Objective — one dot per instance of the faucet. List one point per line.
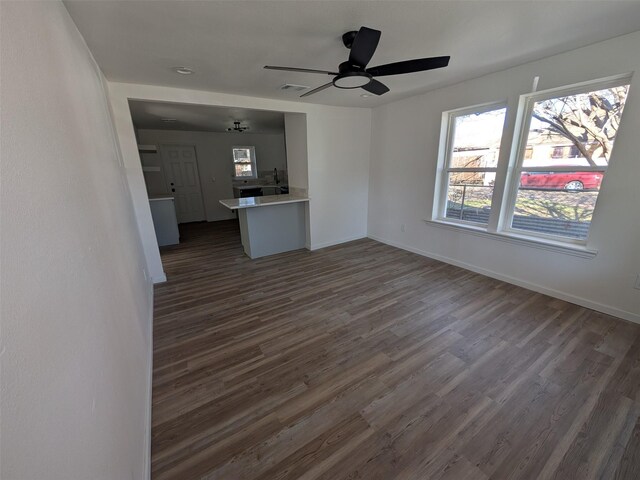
(275, 176)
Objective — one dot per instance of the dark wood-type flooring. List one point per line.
(363, 361)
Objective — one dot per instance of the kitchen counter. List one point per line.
(160, 197)
(271, 224)
(251, 202)
(165, 224)
(250, 189)
(247, 186)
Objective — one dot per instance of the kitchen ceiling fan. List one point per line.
(237, 128)
(354, 72)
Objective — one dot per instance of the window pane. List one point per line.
(570, 131)
(476, 139)
(576, 130)
(469, 196)
(243, 170)
(557, 203)
(241, 155)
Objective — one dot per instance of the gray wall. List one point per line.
(215, 161)
(76, 308)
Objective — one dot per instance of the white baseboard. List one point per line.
(608, 309)
(318, 246)
(147, 434)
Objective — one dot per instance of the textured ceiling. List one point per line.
(149, 115)
(227, 43)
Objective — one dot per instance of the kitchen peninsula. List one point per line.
(270, 224)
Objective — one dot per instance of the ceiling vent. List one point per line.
(293, 88)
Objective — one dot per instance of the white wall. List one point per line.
(403, 165)
(215, 160)
(295, 126)
(338, 141)
(76, 330)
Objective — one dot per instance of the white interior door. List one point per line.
(183, 181)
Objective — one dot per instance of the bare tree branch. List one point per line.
(562, 130)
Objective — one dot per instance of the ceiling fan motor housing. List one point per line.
(348, 38)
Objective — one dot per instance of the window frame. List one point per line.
(445, 155)
(253, 162)
(518, 149)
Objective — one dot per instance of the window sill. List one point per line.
(575, 250)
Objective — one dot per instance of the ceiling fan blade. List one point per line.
(316, 90)
(364, 46)
(376, 87)
(303, 70)
(409, 66)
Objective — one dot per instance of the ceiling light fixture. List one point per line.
(183, 70)
(349, 80)
(237, 128)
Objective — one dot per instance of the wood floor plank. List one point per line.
(366, 361)
(629, 467)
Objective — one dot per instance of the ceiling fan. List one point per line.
(237, 128)
(354, 72)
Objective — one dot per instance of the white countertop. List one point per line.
(267, 200)
(262, 185)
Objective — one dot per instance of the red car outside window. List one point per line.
(570, 181)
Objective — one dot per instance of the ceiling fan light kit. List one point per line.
(349, 80)
(354, 72)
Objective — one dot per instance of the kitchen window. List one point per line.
(562, 146)
(571, 134)
(244, 163)
(473, 137)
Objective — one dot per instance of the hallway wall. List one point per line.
(76, 306)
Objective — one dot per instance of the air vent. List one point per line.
(293, 88)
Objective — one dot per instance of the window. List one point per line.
(571, 136)
(244, 162)
(470, 165)
(562, 146)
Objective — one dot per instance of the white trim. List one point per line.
(318, 246)
(146, 471)
(576, 250)
(608, 309)
(600, 83)
(468, 224)
(159, 278)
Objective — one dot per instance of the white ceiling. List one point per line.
(228, 42)
(149, 115)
